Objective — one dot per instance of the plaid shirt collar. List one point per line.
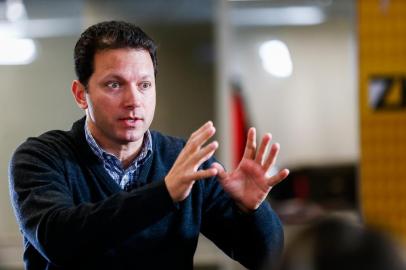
(112, 164)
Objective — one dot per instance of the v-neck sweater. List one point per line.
(72, 215)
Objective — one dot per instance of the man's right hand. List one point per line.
(184, 172)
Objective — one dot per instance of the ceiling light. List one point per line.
(277, 16)
(14, 51)
(15, 10)
(276, 58)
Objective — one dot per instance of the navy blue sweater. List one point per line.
(74, 216)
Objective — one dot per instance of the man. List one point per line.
(111, 194)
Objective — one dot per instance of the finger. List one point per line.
(205, 153)
(250, 145)
(262, 148)
(221, 171)
(204, 174)
(273, 153)
(201, 128)
(281, 175)
(201, 137)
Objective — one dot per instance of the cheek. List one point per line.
(151, 105)
(90, 108)
(99, 109)
(152, 100)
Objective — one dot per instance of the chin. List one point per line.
(134, 137)
(129, 136)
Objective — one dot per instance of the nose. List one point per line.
(132, 97)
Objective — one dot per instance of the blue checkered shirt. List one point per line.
(124, 177)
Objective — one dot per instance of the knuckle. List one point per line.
(251, 146)
(194, 144)
(191, 137)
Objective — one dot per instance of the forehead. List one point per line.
(123, 60)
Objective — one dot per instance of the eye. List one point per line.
(113, 85)
(145, 85)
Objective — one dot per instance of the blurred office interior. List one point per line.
(325, 77)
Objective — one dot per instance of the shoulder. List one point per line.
(53, 138)
(51, 146)
(164, 143)
(39, 156)
(166, 149)
(50, 139)
(55, 141)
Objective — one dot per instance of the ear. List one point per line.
(79, 93)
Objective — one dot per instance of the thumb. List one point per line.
(220, 169)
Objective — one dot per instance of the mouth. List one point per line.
(130, 121)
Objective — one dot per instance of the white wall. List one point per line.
(33, 99)
(312, 114)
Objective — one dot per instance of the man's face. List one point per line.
(121, 97)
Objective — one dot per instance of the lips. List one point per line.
(131, 121)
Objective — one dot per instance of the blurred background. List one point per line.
(325, 77)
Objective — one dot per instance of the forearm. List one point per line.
(92, 228)
(259, 237)
(61, 229)
(249, 238)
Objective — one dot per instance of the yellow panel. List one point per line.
(382, 52)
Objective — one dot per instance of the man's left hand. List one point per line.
(249, 184)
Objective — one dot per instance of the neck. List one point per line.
(125, 152)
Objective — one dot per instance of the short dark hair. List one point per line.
(105, 36)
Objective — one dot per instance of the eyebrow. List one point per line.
(146, 77)
(118, 76)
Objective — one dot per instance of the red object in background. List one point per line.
(239, 126)
(301, 187)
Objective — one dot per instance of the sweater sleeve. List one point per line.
(64, 232)
(251, 239)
